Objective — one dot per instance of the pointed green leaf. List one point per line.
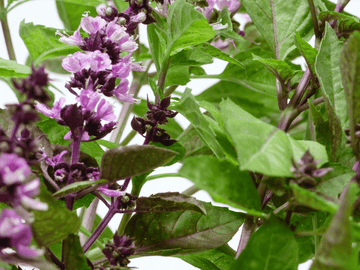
(169, 202)
(47, 223)
(215, 52)
(212, 259)
(228, 32)
(191, 57)
(327, 68)
(188, 27)
(271, 247)
(176, 147)
(73, 256)
(277, 22)
(193, 143)
(11, 69)
(308, 52)
(336, 250)
(56, 52)
(126, 161)
(267, 150)
(183, 232)
(188, 107)
(177, 75)
(350, 73)
(75, 187)
(223, 181)
(157, 41)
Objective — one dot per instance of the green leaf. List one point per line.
(73, 256)
(121, 5)
(267, 150)
(108, 144)
(183, 232)
(336, 249)
(228, 32)
(193, 143)
(223, 181)
(157, 41)
(345, 23)
(312, 200)
(71, 11)
(177, 75)
(126, 161)
(11, 69)
(215, 52)
(327, 68)
(308, 52)
(280, 69)
(350, 73)
(39, 39)
(176, 147)
(188, 27)
(47, 224)
(38, 262)
(212, 259)
(56, 52)
(271, 247)
(277, 22)
(188, 107)
(138, 182)
(191, 57)
(75, 187)
(169, 202)
(54, 131)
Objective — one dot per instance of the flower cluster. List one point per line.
(305, 171)
(156, 115)
(118, 252)
(18, 185)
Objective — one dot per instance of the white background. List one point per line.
(44, 12)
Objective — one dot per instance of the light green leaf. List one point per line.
(267, 150)
(56, 52)
(183, 232)
(75, 187)
(327, 68)
(308, 52)
(277, 22)
(11, 69)
(157, 40)
(223, 181)
(271, 247)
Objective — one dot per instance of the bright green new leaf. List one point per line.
(11, 69)
(183, 232)
(271, 247)
(223, 181)
(46, 226)
(262, 147)
(327, 68)
(277, 22)
(126, 161)
(350, 73)
(308, 52)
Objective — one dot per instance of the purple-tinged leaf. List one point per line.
(75, 187)
(183, 232)
(169, 202)
(126, 161)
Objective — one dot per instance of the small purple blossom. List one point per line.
(99, 61)
(232, 5)
(92, 25)
(55, 159)
(76, 62)
(13, 169)
(74, 39)
(16, 234)
(54, 112)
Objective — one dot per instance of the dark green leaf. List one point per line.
(308, 52)
(176, 147)
(215, 52)
(188, 27)
(336, 250)
(138, 182)
(312, 200)
(11, 69)
(83, 201)
(271, 247)
(188, 107)
(126, 161)
(267, 150)
(183, 232)
(327, 68)
(350, 72)
(47, 224)
(223, 181)
(71, 11)
(277, 22)
(39, 39)
(73, 256)
(75, 187)
(169, 202)
(212, 259)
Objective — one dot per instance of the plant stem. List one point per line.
(191, 190)
(300, 89)
(128, 138)
(170, 90)
(6, 31)
(163, 175)
(314, 20)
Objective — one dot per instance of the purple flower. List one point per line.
(105, 111)
(55, 111)
(92, 25)
(116, 32)
(24, 194)
(209, 9)
(15, 234)
(75, 39)
(55, 159)
(99, 61)
(13, 169)
(76, 62)
(231, 4)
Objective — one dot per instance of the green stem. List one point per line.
(226, 249)
(124, 221)
(6, 31)
(314, 21)
(191, 190)
(128, 138)
(170, 90)
(315, 226)
(156, 176)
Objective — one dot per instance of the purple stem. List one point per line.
(99, 229)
